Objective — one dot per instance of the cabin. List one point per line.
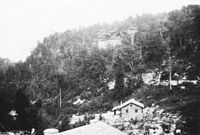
(114, 38)
(130, 109)
(109, 39)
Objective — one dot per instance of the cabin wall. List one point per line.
(131, 111)
(103, 44)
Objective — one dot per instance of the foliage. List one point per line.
(72, 63)
(183, 28)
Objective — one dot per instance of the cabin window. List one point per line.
(136, 110)
(126, 110)
(131, 105)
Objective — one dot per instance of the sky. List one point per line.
(25, 22)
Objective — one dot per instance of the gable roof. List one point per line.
(98, 128)
(133, 101)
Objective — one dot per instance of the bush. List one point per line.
(65, 124)
(133, 121)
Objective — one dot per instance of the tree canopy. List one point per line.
(68, 66)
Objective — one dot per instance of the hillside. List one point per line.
(165, 112)
(71, 72)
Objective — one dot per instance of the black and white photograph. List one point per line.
(99, 67)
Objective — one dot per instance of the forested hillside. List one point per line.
(70, 66)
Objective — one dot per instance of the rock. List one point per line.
(177, 132)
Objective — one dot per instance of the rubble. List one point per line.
(155, 121)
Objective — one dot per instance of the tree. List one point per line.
(150, 40)
(28, 117)
(183, 27)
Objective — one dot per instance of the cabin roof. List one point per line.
(131, 101)
(97, 128)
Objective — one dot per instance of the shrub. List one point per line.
(133, 121)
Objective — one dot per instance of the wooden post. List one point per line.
(170, 74)
(169, 52)
(170, 69)
(60, 97)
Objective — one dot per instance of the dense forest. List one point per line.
(68, 66)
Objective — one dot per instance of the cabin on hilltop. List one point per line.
(114, 38)
(130, 109)
(107, 39)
